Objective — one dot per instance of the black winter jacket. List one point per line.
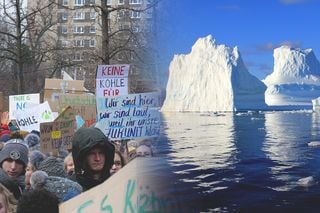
(84, 140)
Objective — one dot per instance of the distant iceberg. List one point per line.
(295, 79)
(212, 78)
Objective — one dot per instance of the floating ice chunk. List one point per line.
(307, 181)
(314, 143)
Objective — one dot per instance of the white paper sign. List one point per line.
(112, 80)
(29, 119)
(21, 102)
(130, 116)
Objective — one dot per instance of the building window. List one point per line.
(135, 14)
(109, 2)
(92, 2)
(78, 57)
(79, 43)
(121, 14)
(92, 15)
(123, 27)
(78, 16)
(135, 29)
(64, 16)
(149, 14)
(120, 2)
(92, 43)
(79, 2)
(64, 29)
(65, 2)
(78, 29)
(135, 2)
(64, 43)
(92, 29)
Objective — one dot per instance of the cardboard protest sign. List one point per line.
(58, 134)
(54, 87)
(83, 105)
(112, 80)
(21, 102)
(131, 116)
(130, 190)
(30, 118)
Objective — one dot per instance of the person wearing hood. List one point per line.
(93, 156)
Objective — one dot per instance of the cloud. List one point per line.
(293, 44)
(265, 47)
(287, 2)
(269, 47)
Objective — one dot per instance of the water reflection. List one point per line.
(203, 141)
(315, 131)
(240, 162)
(287, 135)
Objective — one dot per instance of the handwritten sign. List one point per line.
(112, 80)
(30, 118)
(21, 102)
(83, 106)
(131, 116)
(126, 191)
(58, 134)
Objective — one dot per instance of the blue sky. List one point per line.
(255, 26)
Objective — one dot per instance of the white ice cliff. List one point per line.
(295, 79)
(212, 78)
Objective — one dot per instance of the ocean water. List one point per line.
(240, 162)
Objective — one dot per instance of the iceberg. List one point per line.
(212, 77)
(295, 80)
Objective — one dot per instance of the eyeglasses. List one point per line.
(117, 163)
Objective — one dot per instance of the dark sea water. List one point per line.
(240, 162)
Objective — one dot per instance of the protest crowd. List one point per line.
(43, 167)
(31, 180)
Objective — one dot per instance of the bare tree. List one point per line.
(131, 41)
(34, 47)
(25, 53)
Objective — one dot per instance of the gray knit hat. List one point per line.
(52, 166)
(32, 139)
(61, 187)
(15, 149)
(35, 158)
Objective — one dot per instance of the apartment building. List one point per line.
(77, 34)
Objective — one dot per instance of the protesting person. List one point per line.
(118, 162)
(38, 201)
(93, 157)
(13, 160)
(4, 124)
(144, 151)
(8, 202)
(69, 165)
(63, 188)
(35, 158)
(33, 141)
